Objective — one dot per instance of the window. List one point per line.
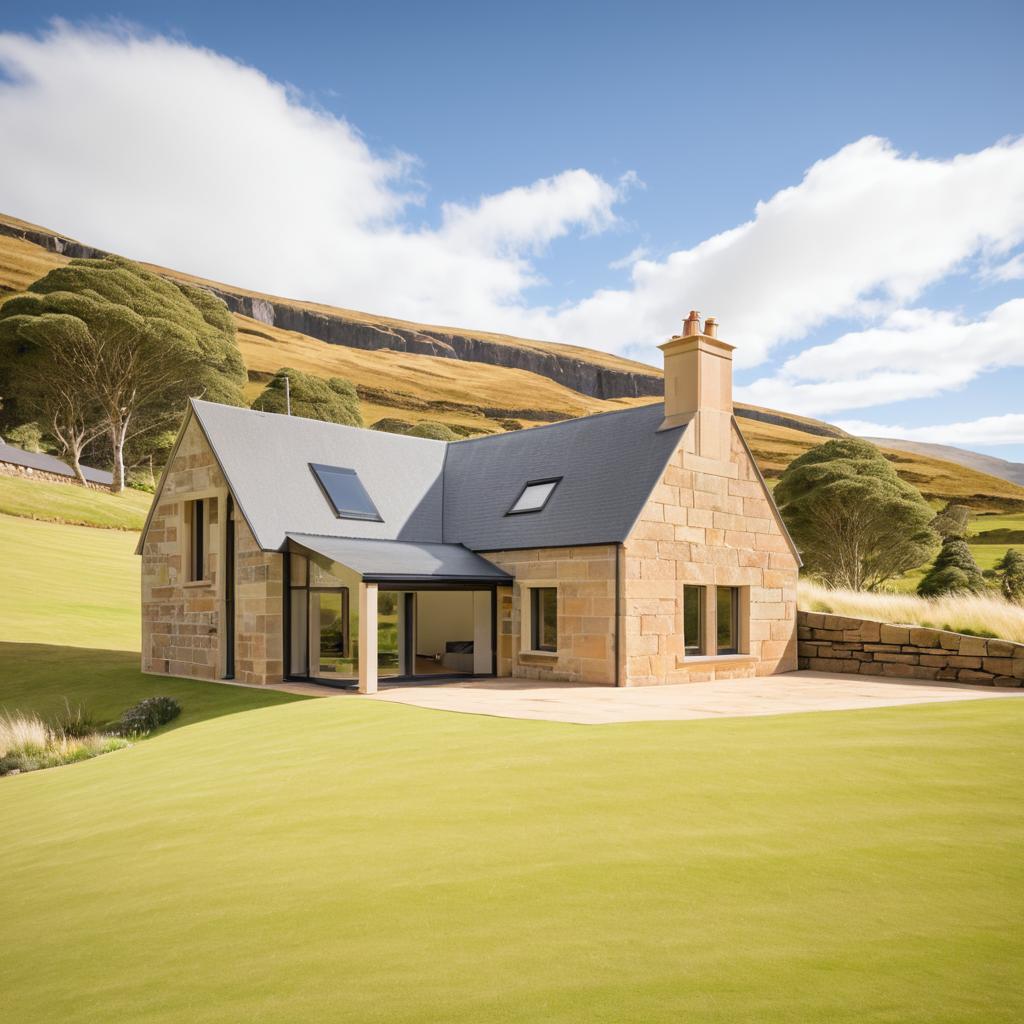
(727, 601)
(693, 621)
(544, 619)
(534, 496)
(197, 516)
(346, 493)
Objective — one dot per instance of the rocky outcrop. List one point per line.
(580, 375)
(780, 420)
(838, 643)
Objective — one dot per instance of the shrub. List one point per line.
(27, 436)
(955, 571)
(147, 715)
(389, 425)
(434, 431)
(1010, 572)
(506, 423)
(332, 399)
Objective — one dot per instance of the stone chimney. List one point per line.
(698, 387)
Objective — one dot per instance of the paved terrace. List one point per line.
(727, 698)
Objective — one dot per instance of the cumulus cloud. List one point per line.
(914, 353)
(172, 153)
(175, 154)
(989, 430)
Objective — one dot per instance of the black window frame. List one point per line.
(316, 468)
(699, 649)
(734, 616)
(513, 511)
(536, 619)
(197, 541)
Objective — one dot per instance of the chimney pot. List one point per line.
(711, 327)
(691, 325)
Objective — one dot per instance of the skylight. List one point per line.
(346, 493)
(534, 496)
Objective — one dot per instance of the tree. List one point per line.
(105, 346)
(332, 399)
(954, 572)
(28, 437)
(435, 431)
(1010, 572)
(952, 521)
(857, 525)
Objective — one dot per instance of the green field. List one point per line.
(67, 503)
(271, 859)
(71, 586)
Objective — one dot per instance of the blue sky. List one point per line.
(678, 119)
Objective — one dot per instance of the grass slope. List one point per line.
(68, 585)
(349, 861)
(40, 677)
(69, 503)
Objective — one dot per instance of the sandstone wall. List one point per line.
(181, 619)
(707, 523)
(838, 643)
(585, 579)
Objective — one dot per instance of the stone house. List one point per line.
(628, 548)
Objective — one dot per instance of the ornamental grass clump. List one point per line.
(987, 614)
(28, 743)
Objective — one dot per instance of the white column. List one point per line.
(367, 637)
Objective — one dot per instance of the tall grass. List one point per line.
(28, 743)
(963, 613)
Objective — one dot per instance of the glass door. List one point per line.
(330, 654)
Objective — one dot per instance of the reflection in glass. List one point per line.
(693, 620)
(727, 600)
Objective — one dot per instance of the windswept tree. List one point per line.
(952, 521)
(856, 523)
(332, 399)
(107, 343)
(1010, 573)
(954, 572)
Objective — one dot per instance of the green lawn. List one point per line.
(339, 860)
(39, 678)
(71, 586)
(66, 503)
(276, 860)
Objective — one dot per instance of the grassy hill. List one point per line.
(538, 382)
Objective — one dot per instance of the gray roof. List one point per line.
(609, 464)
(429, 492)
(394, 559)
(266, 459)
(49, 464)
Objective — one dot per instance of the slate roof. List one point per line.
(430, 492)
(49, 464)
(377, 560)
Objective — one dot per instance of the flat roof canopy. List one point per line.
(397, 560)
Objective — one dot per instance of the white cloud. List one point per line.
(915, 353)
(631, 257)
(174, 154)
(989, 430)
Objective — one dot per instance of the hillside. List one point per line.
(478, 381)
(1011, 471)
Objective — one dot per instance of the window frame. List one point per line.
(536, 619)
(198, 527)
(513, 511)
(699, 649)
(316, 468)
(734, 617)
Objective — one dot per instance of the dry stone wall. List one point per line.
(838, 643)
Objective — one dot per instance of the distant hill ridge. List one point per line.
(482, 382)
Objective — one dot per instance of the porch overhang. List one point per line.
(403, 562)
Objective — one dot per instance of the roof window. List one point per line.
(534, 496)
(346, 493)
